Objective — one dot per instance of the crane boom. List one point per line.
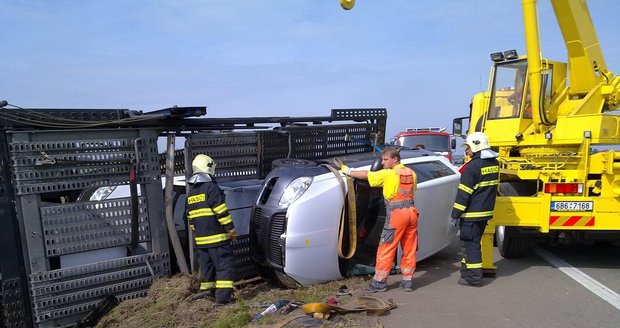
(585, 56)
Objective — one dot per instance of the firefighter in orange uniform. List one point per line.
(401, 222)
(213, 230)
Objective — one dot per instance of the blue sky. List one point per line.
(422, 60)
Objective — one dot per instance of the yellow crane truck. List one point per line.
(557, 132)
(555, 126)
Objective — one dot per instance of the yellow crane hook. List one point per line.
(347, 4)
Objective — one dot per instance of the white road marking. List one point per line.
(579, 276)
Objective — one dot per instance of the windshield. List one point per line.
(508, 96)
(431, 142)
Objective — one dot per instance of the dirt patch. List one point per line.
(170, 303)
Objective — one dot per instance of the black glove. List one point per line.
(455, 224)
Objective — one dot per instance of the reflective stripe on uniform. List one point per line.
(225, 283)
(395, 203)
(474, 265)
(200, 212)
(221, 208)
(225, 220)
(476, 214)
(459, 206)
(404, 191)
(487, 184)
(207, 285)
(211, 239)
(407, 274)
(466, 189)
(392, 204)
(381, 275)
(471, 265)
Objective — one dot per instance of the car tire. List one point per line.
(292, 162)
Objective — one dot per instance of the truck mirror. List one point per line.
(457, 126)
(453, 143)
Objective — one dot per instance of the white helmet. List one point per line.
(203, 164)
(477, 141)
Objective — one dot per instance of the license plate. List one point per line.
(572, 206)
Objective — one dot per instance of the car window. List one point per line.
(179, 200)
(426, 171)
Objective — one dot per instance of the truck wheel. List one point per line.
(509, 243)
(292, 162)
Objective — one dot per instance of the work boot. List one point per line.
(465, 282)
(377, 286)
(406, 285)
(207, 294)
(220, 303)
(373, 289)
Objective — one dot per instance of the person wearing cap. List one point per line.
(474, 204)
(213, 230)
(401, 222)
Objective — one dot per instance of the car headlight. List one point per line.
(102, 193)
(294, 190)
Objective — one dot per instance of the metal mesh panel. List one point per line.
(235, 153)
(62, 165)
(26, 116)
(244, 265)
(66, 292)
(74, 303)
(80, 227)
(360, 113)
(12, 304)
(313, 142)
(14, 297)
(179, 162)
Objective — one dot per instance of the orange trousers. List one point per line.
(403, 229)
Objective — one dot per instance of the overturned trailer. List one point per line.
(63, 258)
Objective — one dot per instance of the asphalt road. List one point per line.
(527, 292)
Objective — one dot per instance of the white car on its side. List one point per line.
(296, 221)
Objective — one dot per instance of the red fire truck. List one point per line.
(434, 139)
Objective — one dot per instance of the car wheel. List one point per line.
(292, 162)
